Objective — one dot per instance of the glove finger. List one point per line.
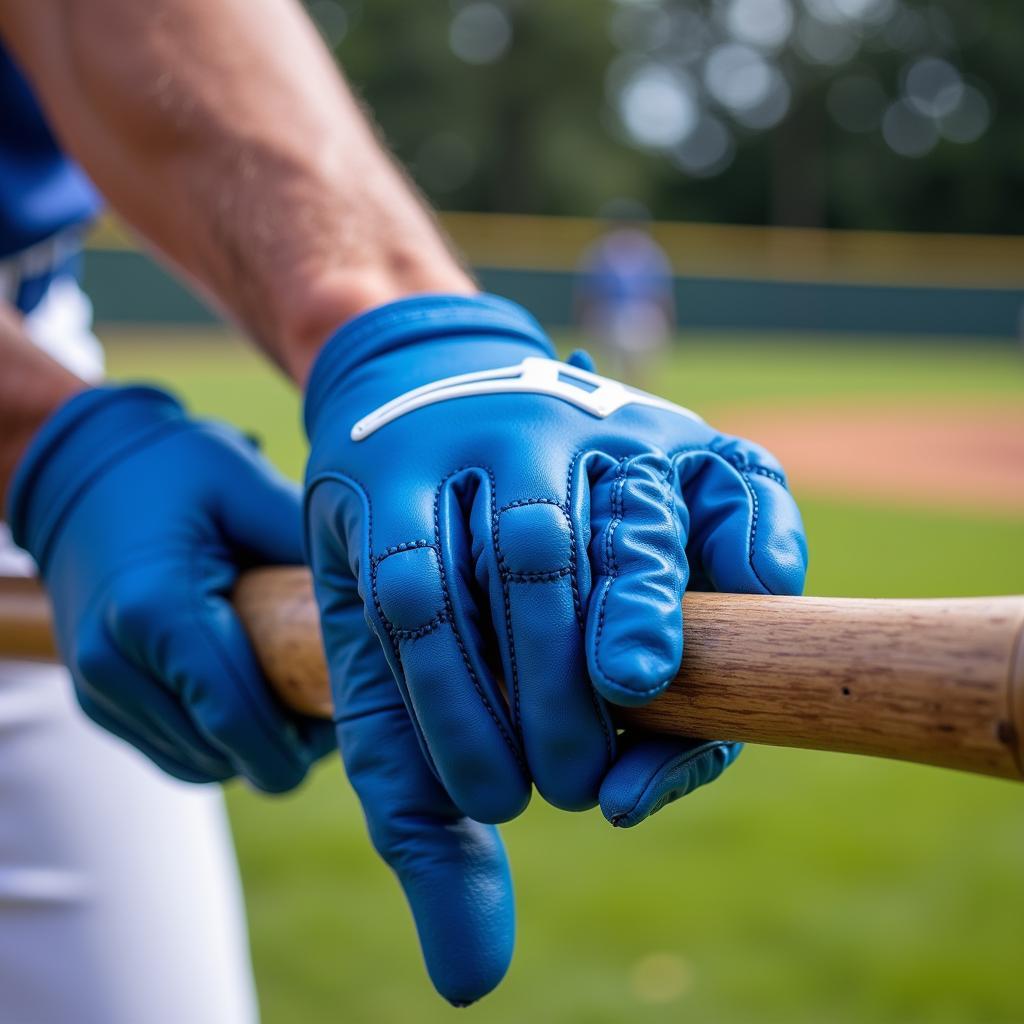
(107, 717)
(453, 870)
(637, 553)
(260, 514)
(532, 555)
(261, 517)
(653, 772)
(145, 713)
(746, 535)
(192, 640)
(431, 622)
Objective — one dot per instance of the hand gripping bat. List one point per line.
(938, 682)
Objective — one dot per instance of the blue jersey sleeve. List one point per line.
(42, 191)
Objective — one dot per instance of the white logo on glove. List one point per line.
(590, 392)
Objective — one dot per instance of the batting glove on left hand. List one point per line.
(140, 520)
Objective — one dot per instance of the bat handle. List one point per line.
(938, 682)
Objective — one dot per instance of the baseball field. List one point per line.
(803, 887)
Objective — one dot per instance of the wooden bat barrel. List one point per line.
(938, 682)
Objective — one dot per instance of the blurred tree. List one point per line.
(889, 114)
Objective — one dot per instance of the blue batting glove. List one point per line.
(140, 520)
(506, 517)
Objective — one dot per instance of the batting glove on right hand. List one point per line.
(504, 516)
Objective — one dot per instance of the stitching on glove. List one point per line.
(618, 487)
(618, 511)
(420, 631)
(358, 488)
(413, 632)
(576, 599)
(372, 573)
(477, 685)
(669, 498)
(595, 697)
(411, 545)
(507, 576)
(688, 449)
(742, 471)
(686, 759)
(537, 577)
(519, 503)
(507, 602)
(755, 512)
(734, 460)
(610, 571)
(770, 473)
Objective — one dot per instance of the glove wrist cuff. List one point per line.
(409, 322)
(73, 448)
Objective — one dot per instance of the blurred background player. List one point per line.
(625, 300)
(119, 894)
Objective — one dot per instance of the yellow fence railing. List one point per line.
(731, 251)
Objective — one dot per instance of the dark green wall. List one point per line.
(127, 286)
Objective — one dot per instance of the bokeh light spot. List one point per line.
(658, 106)
(825, 42)
(907, 131)
(763, 23)
(737, 76)
(480, 33)
(661, 978)
(331, 19)
(969, 120)
(933, 87)
(707, 151)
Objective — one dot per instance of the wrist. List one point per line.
(73, 449)
(29, 412)
(321, 302)
(414, 341)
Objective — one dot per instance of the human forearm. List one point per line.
(32, 387)
(232, 144)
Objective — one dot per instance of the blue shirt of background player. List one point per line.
(42, 191)
(624, 267)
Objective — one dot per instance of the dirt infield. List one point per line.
(949, 456)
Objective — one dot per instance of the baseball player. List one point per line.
(624, 293)
(499, 540)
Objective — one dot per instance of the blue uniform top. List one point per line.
(42, 191)
(625, 267)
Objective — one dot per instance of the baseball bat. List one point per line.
(938, 682)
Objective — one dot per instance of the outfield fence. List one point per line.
(727, 277)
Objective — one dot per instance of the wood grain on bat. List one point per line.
(918, 680)
(934, 681)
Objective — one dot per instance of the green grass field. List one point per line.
(801, 888)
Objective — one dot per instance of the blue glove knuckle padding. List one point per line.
(140, 520)
(521, 560)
